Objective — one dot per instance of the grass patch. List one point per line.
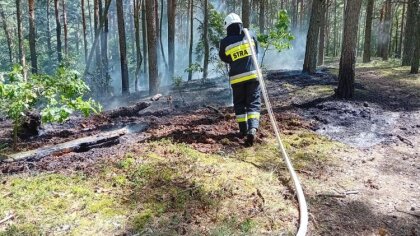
(161, 189)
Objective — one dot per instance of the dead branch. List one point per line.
(220, 113)
(78, 145)
(339, 194)
(415, 214)
(9, 217)
(128, 111)
(405, 140)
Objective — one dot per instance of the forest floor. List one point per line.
(183, 171)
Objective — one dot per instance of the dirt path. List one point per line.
(377, 162)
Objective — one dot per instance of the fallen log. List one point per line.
(128, 111)
(78, 145)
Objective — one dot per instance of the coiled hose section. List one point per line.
(303, 208)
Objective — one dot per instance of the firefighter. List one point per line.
(236, 51)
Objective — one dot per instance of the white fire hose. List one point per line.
(303, 208)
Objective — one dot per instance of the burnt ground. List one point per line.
(380, 129)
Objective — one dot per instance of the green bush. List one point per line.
(279, 37)
(55, 97)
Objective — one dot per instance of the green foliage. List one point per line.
(194, 68)
(279, 37)
(177, 81)
(56, 96)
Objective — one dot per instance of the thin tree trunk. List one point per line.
(246, 13)
(139, 57)
(387, 30)
(327, 29)
(206, 40)
(66, 36)
(311, 53)
(335, 29)
(82, 5)
(171, 36)
(58, 31)
(396, 37)
(322, 29)
(368, 31)
(152, 47)
(95, 44)
(348, 52)
(123, 48)
(144, 29)
(402, 31)
(49, 44)
(32, 36)
(90, 20)
(160, 36)
(416, 57)
(410, 32)
(104, 48)
(262, 16)
(7, 34)
(22, 57)
(379, 38)
(96, 6)
(191, 39)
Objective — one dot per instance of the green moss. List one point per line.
(23, 229)
(142, 219)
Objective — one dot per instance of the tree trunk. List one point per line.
(152, 47)
(123, 48)
(32, 36)
(396, 37)
(162, 50)
(327, 29)
(246, 13)
(90, 20)
(410, 32)
(7, 33)
(22, 57)
(368, 31)
(190, 53)
(335, 29)
(348, 52)
(139, 57)
(49, 44)
(66, 36)
(82, 5)
(58, 31)
(387, 30)
(262, 16)
(379, 38)
(97, 15)
(144, 29)
(402, 31)
(206, 39)
(171, 36)
(311, 53)
(321, 46)
(416, 57)
(104, 47)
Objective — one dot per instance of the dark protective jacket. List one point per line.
(235, 50)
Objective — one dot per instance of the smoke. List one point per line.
(289, 59)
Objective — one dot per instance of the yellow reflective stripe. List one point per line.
(241, 118)
(242, 79)
(241, 47)
(254, 115)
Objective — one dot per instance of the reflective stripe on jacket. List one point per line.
(236, 51)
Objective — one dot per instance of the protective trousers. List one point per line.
(247, 104)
